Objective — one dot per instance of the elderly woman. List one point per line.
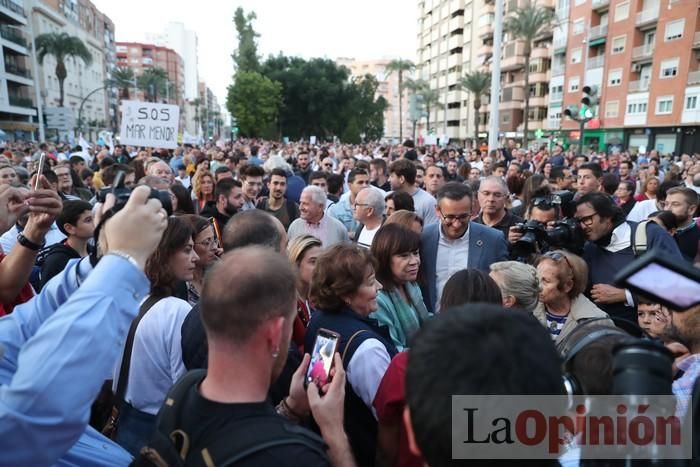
(401, 307)
(519, 284)
(207, 247)
(563, 306)
(408, 219)
(303, 252)
(344, 291)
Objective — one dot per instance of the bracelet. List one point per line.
(127, 257)
(286, 411)
(28, 244)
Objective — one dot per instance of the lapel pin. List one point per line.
(479, 243)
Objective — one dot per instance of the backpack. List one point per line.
(171, 444)
(639, 239)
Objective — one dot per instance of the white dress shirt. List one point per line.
(452, 256)
(621, 239)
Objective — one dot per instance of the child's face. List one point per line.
(652, 319)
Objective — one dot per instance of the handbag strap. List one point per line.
(347, 346)
(128, 348)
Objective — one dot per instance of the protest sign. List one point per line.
(149, 124)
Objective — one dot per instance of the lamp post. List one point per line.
(82, 103)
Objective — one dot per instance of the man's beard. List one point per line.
(230, 209)
(672, 332)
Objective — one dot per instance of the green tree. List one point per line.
(400, 66)
(196, 103)
(122, 79)
(153, 82)
(255, 100)
(364, 113)
(430, 98)
(477, 83)
(61, 46)
(246, 55)
(529, 23)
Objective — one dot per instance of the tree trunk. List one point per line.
(477, 105)
(527, 94)
(61, 74)
(400, 106)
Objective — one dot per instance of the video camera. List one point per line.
(122, 193)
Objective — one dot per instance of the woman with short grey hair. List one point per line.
(518, 282)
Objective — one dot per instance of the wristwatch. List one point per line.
(26, 243)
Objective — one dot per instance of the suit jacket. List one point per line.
(486, 246)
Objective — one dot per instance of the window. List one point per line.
(576, 55)
(669, 68)
(611, 109)
(691, 103)
(573, 84)
(637, 108)
(578, 26)
(618, 45)
(622, 11)
(674, 30)
(664, 105)
(615, 77)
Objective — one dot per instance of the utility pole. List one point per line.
(494, 117)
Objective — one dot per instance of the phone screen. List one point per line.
(40, 170)
(322, 357)
(674, 287)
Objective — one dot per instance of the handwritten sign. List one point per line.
(149, 124)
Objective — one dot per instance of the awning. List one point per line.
(594, 42)
(22, 126)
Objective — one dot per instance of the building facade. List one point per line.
(184, 42)
(643, 57)
(17, 92)
(389, 90)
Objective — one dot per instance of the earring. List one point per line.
(276, 353)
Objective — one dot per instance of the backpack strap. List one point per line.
(639, 238)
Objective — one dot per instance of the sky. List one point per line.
(363, 29)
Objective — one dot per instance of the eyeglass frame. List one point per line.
(586, 220)
(451, 218)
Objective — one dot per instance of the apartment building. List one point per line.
(85, 84)
(512, 86)
(389, 90)
(450, 43)
(644, 58)
(140, 57)
(183, 41)
(17, 107)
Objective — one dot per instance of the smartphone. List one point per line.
(40, 170)
(217, 230)
(675, 285)
(325, 346)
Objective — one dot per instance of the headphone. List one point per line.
(578, 340)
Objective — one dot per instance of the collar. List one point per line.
(316, 224)
(620, 238)
(505, 220)
(464, 237)
(688, 227)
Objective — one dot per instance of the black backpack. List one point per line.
(171, 445)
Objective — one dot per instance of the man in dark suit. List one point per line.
(455, 243)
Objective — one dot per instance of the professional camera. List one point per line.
(122, 194)
(534, 234)
(566, 234)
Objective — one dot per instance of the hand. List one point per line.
(137, 228)
(604, 294)
(297, 400)
(328, 410)
(12, 205)
(514, 234)
(44, 206)
(680, 352)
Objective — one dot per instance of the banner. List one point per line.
(148, 124)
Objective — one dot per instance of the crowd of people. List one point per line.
(162, 307)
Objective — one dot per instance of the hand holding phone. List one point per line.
(325, 346)
(40, 170)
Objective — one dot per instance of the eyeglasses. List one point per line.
(328, 165)
(209, 243)
(356, 205)
(450, 218)
(556, 256)
(586, 220)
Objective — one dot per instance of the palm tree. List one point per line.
(122, 79)
(61, 46)
(528, 23)
(477, 83)
(153, 81)
(400, 66)
(431, 100)
(196, 103)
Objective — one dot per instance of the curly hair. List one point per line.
(197, 185)
(176, 235)
(339, 272)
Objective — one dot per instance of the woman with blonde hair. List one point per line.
(203, 190)
(407, 219)
(303, 252)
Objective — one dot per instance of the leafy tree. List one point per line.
(254, 99)
(153, 81)
(365, 114)
(528, 23)
(122, 79)
(246, 55)
(61, 46)
(478, 84)
(400, 66)
(196, 103)
(430, 98)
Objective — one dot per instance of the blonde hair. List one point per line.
(197, 185)
(300, 245)
(404, 218)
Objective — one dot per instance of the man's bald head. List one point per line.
(237, 300)
(254, 227)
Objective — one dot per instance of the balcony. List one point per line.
(539, 77)
(638, 86)
(559, 43)
(455, 41)
(453, 114)
(456, 23)
(514, 62)
(486, 31)
(484, 50)
(541, 52)
(510, 105)
(556, 97)
(13, 35)
(600, 5)
(537, 101)
(558, 69)
(456, 5)
(147, 61)
(19, 101)
(694, 77)
(597, 32)
(696, 40)
(17, 70)
(595, 62)
(647, 18)
(16, 11)
(643, 53)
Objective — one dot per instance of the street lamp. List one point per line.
(82, 103)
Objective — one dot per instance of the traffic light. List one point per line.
(571, 111)
(589, 101)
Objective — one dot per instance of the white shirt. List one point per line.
(366, 370)
(621, 239)
(452, 256)
(185, 181)
(367, 236)
(642, 209)
(156, 359)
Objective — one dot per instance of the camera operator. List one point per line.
(609, 248)
(684, 327)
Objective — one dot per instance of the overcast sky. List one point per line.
(310, 28)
